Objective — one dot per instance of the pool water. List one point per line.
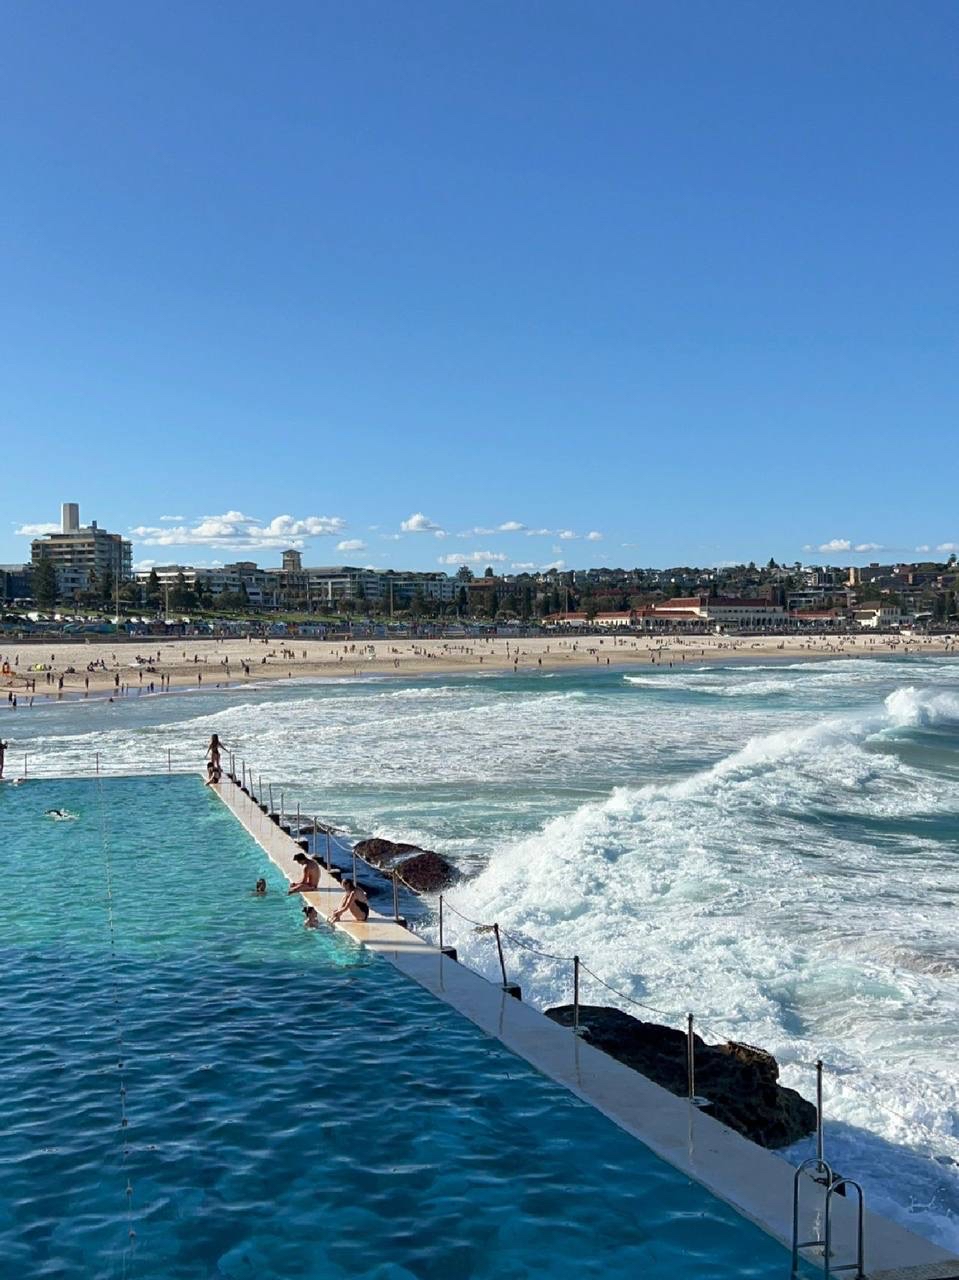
(194, 1086)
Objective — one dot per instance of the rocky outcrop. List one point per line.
(741, 1082)
(427, 872)
(382, 853)
(424, 871)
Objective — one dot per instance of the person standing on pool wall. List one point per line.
(213, 751)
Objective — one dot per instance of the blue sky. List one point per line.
(383, 278)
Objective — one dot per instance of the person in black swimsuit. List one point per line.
(354, 902)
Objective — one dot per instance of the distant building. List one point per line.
(877, 614)
(292, 561)
(729, 611)
(16, 582)
(79, 552)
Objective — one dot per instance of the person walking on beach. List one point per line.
(354, 901)
(311, 873)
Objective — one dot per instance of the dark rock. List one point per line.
(382, 852)
(427, 872)
(741, 1082)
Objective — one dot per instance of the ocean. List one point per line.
(772, 846)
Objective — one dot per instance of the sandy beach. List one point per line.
(102, 668)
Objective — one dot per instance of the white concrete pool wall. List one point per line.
(757, 1183)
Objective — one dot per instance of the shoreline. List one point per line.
(62, 674)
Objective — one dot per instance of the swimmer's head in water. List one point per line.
(261, 886)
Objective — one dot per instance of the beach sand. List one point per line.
(229, 663)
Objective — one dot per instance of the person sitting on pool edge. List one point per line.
(311, 873)
(354, 901)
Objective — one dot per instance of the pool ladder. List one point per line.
(832, 1184)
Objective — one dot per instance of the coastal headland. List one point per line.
(104, 667)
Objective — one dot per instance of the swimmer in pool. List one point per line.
(354, 901)
(61, 815)
(310, 918)
(260, 890)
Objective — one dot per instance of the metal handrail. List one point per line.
(819, 1242)
(859, 1265)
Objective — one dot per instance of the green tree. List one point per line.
(45, 589)
(464, 573)
(463, 600)
(154, 593)
(182, 597)
(488, 573)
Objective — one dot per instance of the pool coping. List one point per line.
(756, 1182)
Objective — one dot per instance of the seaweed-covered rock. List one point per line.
(741, 1082)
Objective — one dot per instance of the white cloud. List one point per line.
(510, 526)
(868, 546)
(235, 530)
(557, 564)
(419, 523)
(539, 533)
(925, 547)
(392, 537)
(594, 536)
(172, 520)
(567, 535)
(351, 544)
(523, 566)
(835, 544)
(36, 530)
(948, 547)
(474, 557)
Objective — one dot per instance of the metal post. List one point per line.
(259, 787)
(242, 773)
(297, 819)
(98, 761)
(499, 948)
(328, 855)
(819, 1143)
(270, 786)
(441, 922)
(690, 1058)
(169, 760)
(315, 838)
(575, 995)
(396, 898)
(354, 866)
(24, 766)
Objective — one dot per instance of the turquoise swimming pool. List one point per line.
(194, 1086)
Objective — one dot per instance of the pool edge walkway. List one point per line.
(755, 1182)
